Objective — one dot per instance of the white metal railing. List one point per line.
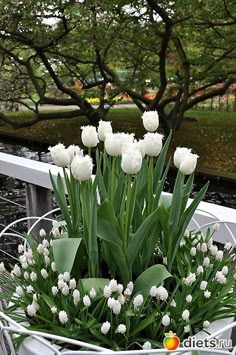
(36, 174)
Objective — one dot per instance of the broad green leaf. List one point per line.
(64, 252)
(153, 276)
(176, 202)
(108, 227)
(140, 236)
(98, 284)
(92, 240)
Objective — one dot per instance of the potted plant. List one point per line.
(119, 268)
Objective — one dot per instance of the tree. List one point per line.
(188, 57)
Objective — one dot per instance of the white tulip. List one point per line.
(142, 147)
(60, 155)
(113, 144)
(131, 161)
(89, 136)
(73, 150)
(188, 164)
(150, 120)
(153, 144)
(82, 167)
(127, 138)
(179, 155)
(104, 128)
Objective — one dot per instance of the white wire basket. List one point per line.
(39, 343)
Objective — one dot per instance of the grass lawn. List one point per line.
(212, 135)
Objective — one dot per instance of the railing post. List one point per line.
(38, 202)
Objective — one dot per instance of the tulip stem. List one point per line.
(89, 152)
(113, 172)
(127, 210)
(150, 187)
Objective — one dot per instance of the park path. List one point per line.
(59, 108)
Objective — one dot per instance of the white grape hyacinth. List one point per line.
(63, 317)
(185, 315)
(138, 301)
(105, 327)
(121, 329)
(86, 301)
(165, 320)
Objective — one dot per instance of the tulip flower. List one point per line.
(188, 164)
(89, 136)
(150, 120)
(73, 150)
(113, 144)
(131, 161)
(153, 144)
(179, 155)
(104, 128)
(60, 155)
(82, 167)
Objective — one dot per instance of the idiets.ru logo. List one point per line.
(171, 341)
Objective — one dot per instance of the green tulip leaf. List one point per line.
(64, 253)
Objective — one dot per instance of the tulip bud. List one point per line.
(113, 144)
(150, 120)
(153, 144)
(82, 167)
(131, 161)
(89, 136)
(60, 155)
(188, 164)
(179, 155)
(73, 150)
(104, 128)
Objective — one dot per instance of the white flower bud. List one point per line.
(42, 233)
(54, 290)
(53, 310)
(153, 291)
(121, 299)
(60, 155)
(105, 328)
(179, 155)
(19, 291)
(220, 278)
(31, 310)
(153, 144)
(213, 250)
(92, 293)
(189, 298)
(147, 345)
(76, 296)
(204, 247)
(113, 285)
(26, 275)
(29, 289)
(216, 227)
(89, 136)
(63, 317)
(225, 270)
(17, 271)
(82, 167)
(45, 243)
(150, 120)
(2, 267)
(165, 320)
(138, 301)
(72, 284)
(120, 288)
(86, 301)
(206, 261)
(200, 270)
(187, 328)
(44, 273)
(173, 303)
(193, 251)
(21, 248)
(206, 324)
(40, 248)
(131, 161)
(162, 293)
(219, 255)
(207, 294)
(65, 290)
(228, 246)
(203, 285)
(185, 315)
(188, 164)
(104, 128)
(53, 266)
(33, 276)
(121, 329)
